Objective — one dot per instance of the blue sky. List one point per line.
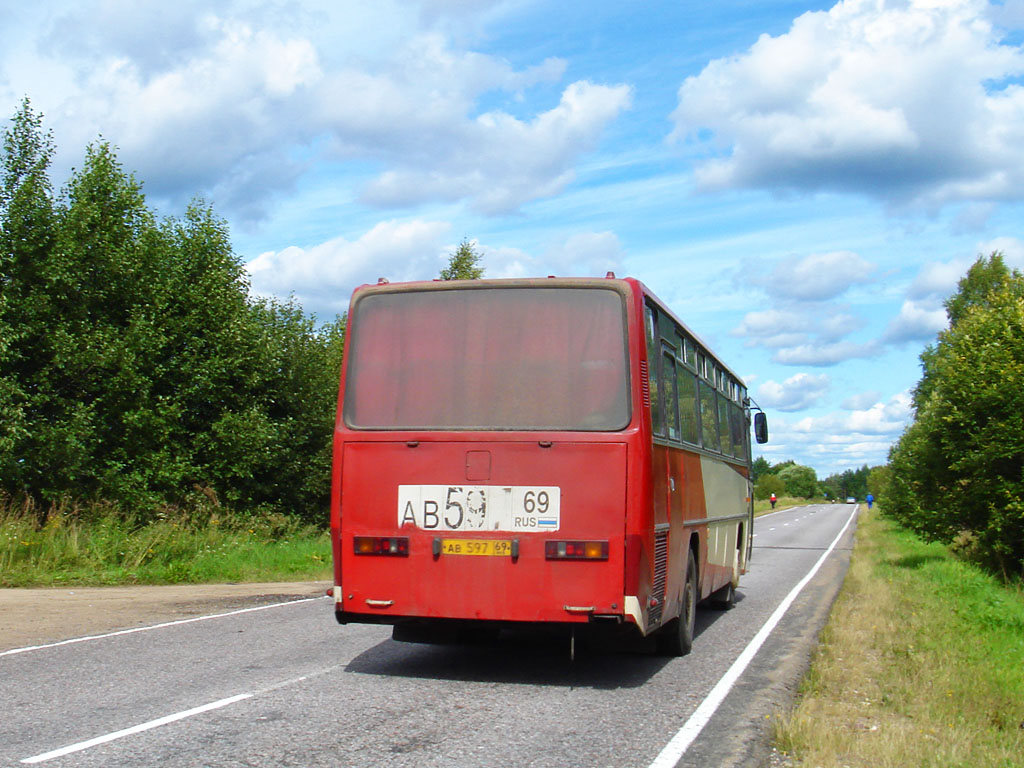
(803, 183)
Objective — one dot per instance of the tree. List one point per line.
(766, 485)
(799, 480)
(140, 372)
(850, 482)
(878, 481)
(958, 470)
(986, 278)
(464, 263)
(986, 275)
(758, 468)
(26, 241)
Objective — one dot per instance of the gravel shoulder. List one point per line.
(37, 616)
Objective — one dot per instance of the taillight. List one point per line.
(381, 545)
(576, 550)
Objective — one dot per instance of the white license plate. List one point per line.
(480, 507)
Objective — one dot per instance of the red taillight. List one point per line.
(381, 545)
(576, 550)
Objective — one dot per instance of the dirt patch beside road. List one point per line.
(36, 616)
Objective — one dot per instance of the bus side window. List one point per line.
(723, 423)
(740, 431)
(654, 375)
(687, 392)
(708, 405)
(668, 367)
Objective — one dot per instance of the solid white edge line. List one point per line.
(686, 735)
(134, 729)
(155, 626)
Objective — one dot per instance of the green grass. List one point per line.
(921, 663)
(100, 546)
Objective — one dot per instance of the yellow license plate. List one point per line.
(494, 547)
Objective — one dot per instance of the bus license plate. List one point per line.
(458, 508)
(498, 548)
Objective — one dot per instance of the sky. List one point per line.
(802, 183)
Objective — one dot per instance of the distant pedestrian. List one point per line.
(870, 500)
(772, 499)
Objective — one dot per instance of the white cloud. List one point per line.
(916, 321)
(237, 101)
(582, 254)
(506, 262)
(769, 325)
(861, 401)
(587, 254)
(497, 161)
(826, 354)
(324, 276)
(229, 138)
(922, 314)
(152, 36)
(938, 279)
(846, 100)
(840, 440)
(818, 276)
(806, 335)
(882, 418)
(796, 393)
(1009, 14)
(1011, 247)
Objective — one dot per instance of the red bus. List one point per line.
(555, 451)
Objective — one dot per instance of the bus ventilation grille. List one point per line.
(660, 570)
(645, 384)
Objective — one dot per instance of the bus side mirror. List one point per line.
(760, 427)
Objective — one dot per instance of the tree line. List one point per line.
(135, 368)
(957, 473)
(787, 478)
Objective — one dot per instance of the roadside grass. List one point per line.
(921, 663)
(100, 546)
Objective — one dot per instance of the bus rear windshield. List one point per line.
(510, 358)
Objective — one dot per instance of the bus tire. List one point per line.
(676, 638)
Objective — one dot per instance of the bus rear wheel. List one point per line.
(676, 638)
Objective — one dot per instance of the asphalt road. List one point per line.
(286, 686)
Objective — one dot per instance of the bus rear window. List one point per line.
(504, 358)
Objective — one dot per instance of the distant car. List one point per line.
(851, 500)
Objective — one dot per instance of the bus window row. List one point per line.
(693, 400)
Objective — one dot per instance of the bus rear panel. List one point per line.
(480, 462)
(496, 462)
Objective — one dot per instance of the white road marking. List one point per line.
(134, 729)
(691, 729)
(170, 718)
(776, 512)
(156, 626)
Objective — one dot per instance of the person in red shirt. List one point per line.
(772, 499)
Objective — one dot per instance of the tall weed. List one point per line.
(101, 544)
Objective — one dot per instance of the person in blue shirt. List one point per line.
(870, 500)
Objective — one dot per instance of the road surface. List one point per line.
(284, 685)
